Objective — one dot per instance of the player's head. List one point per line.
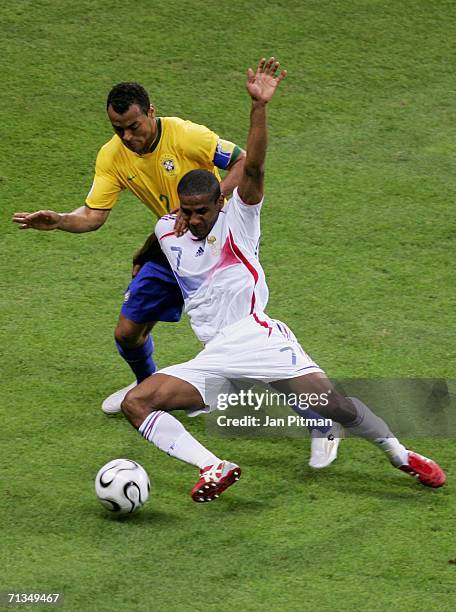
(132, 116)
(200, 201)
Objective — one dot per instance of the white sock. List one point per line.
(397, 453)
(169, 435)
(371, 427)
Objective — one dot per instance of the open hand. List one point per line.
(39, 220)
(262, 84)
(181, 226)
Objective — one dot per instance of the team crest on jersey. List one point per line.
(169, 164)
(213, 246)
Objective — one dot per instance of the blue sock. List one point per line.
(139, 359)
(308, 413)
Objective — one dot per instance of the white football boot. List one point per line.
(112, 404)
(323, 448)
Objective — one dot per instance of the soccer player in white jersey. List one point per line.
(225, 294)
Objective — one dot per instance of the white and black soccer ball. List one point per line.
(122, 486)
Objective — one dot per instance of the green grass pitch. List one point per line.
(358, 246)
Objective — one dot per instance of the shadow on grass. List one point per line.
(390, 485)
(241, 504)
(144, 516)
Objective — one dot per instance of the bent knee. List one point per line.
(340, 408)
(129, 334)
(136, 405)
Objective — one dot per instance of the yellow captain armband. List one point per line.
(226, 153)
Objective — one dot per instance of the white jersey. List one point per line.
(220, 277)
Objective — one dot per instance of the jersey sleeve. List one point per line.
(105, 187)
(244, 219)
(200, 144)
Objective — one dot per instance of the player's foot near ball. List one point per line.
(112, 404)
(427, 471)
(214, 479)
(323, 447)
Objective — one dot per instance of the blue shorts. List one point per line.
(153, 295)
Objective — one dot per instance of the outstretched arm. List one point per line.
(261, 86)
(83, 219)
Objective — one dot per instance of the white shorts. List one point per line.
(256, 349)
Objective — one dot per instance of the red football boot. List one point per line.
(214, 479)
(427, 471)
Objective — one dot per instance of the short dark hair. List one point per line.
(123, 95)
(198, 182)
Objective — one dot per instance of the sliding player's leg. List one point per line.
(358, 419)
(148, 405)
(153, 295)
(325, 439)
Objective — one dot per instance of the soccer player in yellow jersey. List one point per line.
(148, 155)
(149, 158)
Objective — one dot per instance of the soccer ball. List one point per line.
(122, 486)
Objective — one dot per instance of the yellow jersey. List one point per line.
(180, 146)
